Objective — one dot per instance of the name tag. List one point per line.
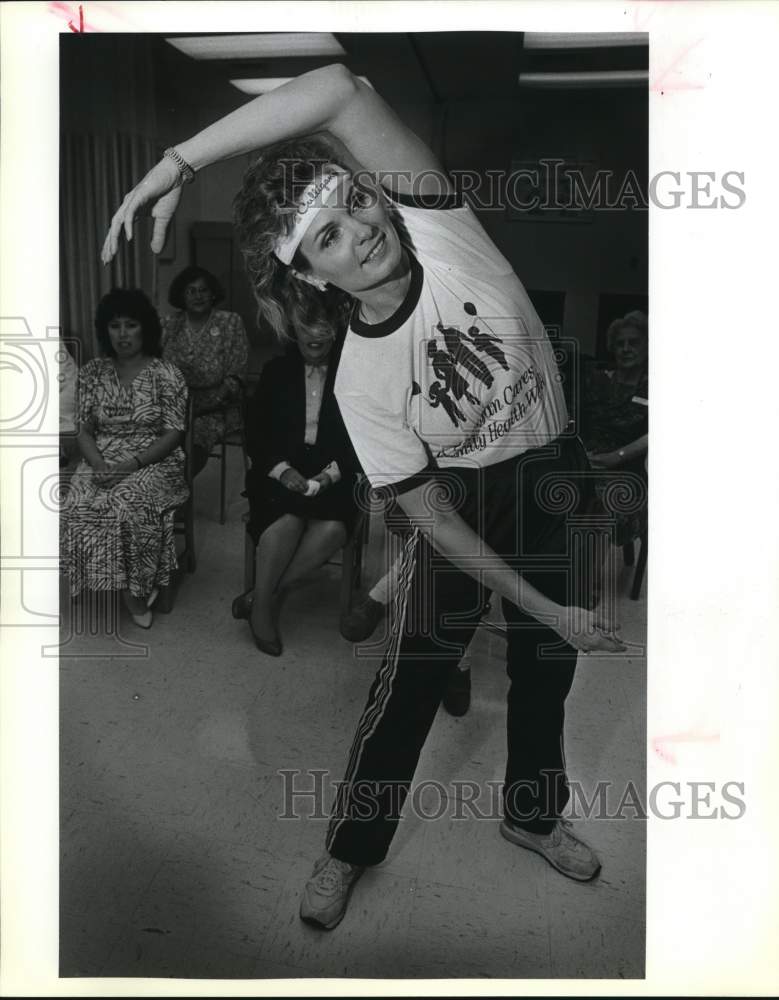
(639, 399)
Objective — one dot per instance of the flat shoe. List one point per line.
(271, 647)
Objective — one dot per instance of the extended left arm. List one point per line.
(456, 541)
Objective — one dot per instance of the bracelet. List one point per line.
(621, 453)
(186, 172)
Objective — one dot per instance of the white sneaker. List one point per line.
(561, 848)
(327, 892)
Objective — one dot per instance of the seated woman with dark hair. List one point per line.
(209, 345)
(117, 531)
(300, 484)
(615, 415)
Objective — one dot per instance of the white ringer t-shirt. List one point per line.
(462, 374)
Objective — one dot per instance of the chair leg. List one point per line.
(628, 553)
(347, 576)
(638, 575)
(248, 561)
(167, 595)
(223, 485)
(190, 559)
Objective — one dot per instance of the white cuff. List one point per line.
(333, 472)
(279, 469)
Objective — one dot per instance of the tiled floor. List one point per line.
(175, 862)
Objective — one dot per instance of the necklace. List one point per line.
(193, 330)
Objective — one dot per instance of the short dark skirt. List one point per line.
(269, 500)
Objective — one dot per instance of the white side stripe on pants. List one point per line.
(386, 675)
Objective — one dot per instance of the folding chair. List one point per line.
(183, 522)
(230, 439)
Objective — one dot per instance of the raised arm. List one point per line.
(331, 99)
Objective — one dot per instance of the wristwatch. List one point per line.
(186, 172)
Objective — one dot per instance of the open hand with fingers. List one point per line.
(162, 186)
(589, 631)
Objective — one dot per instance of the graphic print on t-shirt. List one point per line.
(464, 375)
(456, 351)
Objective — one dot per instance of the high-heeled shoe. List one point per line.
(144, 620)
(272, 647)
(242, 605)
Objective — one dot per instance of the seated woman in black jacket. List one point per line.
(301, 480)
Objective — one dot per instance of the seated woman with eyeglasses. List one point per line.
(615, 424)
(210, 348)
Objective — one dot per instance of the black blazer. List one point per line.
(276, 418)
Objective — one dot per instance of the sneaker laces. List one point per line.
(328, 880)
(564, 830)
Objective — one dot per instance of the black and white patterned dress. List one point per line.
(121, 536)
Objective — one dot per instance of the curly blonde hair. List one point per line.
(263, 211)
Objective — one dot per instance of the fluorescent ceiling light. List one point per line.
(270, 45)
(262, 86)
(599, 80)
(584, 39)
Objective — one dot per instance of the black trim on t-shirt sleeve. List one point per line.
(442, 201)
(393, 490)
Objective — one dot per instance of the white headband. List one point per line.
(314, 198)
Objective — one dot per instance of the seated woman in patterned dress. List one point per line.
(209, 346)
(117, 531)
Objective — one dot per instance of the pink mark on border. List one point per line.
(663, 752)
(657, 82)
(643, 13)
(80, 27)
(63, 10)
